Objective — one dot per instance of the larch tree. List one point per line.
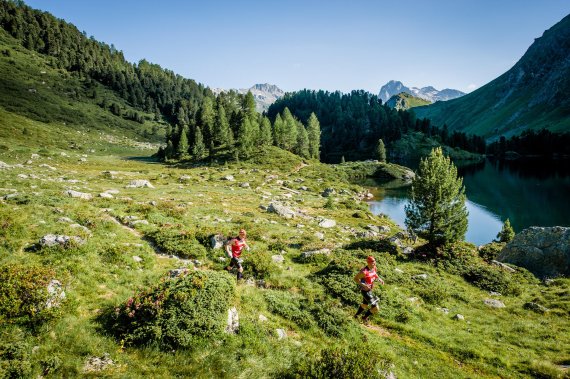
(265, 137)
(437, 210)
(314, 134)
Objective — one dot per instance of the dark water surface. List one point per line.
(530, 192)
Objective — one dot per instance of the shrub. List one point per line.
(288, 306)
(433, 291)
(260, 264)
(179, 243)
(23, 293)
(491, 279)
(14, 360)
(174, 313)
(331, 319)
(340, 362)
(491, 251)
(337, 276)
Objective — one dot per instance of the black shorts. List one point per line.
(236, 262)
(369, 298)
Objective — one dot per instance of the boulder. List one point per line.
(106, 195)
(140, 183)
(494, 303)
(56, 294)
(262, 318)
(217, 241)
(459, 317)
(307, 254)
(229, 178)
(420, 276)
(281, 210)
(373, 228)
(278, 258)
(232, 326)
(79, 195)
(281, 334)
(244, 185)
(55, 239)
(95, 364)
(327, 223)
(4, 165)
(543, 251)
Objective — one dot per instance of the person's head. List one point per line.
(370, 261)
(242, 233)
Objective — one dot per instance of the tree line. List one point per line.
(531, 142)
(353, 123)
(229, 126)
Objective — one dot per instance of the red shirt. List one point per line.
(369, 276)
(237, 247)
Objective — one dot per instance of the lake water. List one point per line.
(529, 192)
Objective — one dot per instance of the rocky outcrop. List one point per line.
(543, 251)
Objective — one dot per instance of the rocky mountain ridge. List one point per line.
(264, 94)
(429, 93)
(404, 101)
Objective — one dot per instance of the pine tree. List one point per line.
(245, 140)
(207, 119)
(182, 148)
(265, 137)
(248, 106)
(199, 148)
(278, 130)
(314, 134)
(381, 150)
(289, 130)
(507, 233)
(437, 210)
(302, 145)
(221, 126)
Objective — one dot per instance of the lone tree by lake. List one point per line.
(437, 210)
(507, 233)
(381, 151)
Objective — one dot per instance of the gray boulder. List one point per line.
(281, 210)
(56, 294)
(307, 254)
(327, 223)
(543, 251)
(96, 364)
(232, 325)
(494, 303)
(79, 195)
(55, 239)
(140, 183)
(535, 307)
(217, 241)
(328, 192)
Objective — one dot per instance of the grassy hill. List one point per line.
(533, 94)
(404, 101)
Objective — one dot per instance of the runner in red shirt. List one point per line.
(365, 279)
(234, 248)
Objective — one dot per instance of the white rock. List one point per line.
(320, 235)
(281, 334)
(326, 223)
(278, 258)
(420, 276)
(232, 326)
(140, 183)
(48, 167)
(56, 294)
(262, 318)
(494, 303)
(65, 219)
(79, 195)
(23, 176)
(229, 178)
(459, 317)
(106, 195)
(137, 259)
(4, 165)
(399, 271)
(112, 191)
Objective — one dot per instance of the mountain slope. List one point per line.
(533, 94)
(428, 93)
(403, 101)
(264, 94)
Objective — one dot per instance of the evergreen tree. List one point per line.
(381, 151)
(302, 145)
(265, 137)
(199, 148)
(289, 139)
(507, 233)
(437, 210)
(278, 131)
(248, 106)
(207, 119)
(245, 141)
(182, 148)
(221, 126)
(169, 151)
(314, 134)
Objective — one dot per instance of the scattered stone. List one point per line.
(367, 234)
(184, 178)
(134, 223)
(79, 195)
(153, 203)
(48, 167)
(413, 300)
(444, 310)
(493, 293)
(229, 178)
(278, 258)
(56, 294)
(106, 195)
(320, 236)
(281, 334)
(420, 276)
(222, 259)
(304, 188)
(407, 250)
(459, 317)
(55, 239)
(262, 318)
(217, 241)
(109, 174)
(78, 226)
(82, 159)
(112, 191)
(373, 228)
(327, 223)
(140, 183)
(63, 154)
(232, 326)
(535, 307)
(244, 185)
(95, 364)
(137, 259)
(307, 254)
(4, 165)
(35, 156)
(65, 219)
(281, 210)
(494, 303)
(23, 176)
(384, 229)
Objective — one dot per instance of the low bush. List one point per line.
(14, 360)
(491, 251)
(288, 306)
(23, 293)
(179, 243)
(174, 313)
(337, 276)
(260, 264)
(331, 319)
(491, 278)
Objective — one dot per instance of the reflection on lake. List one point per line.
(528, 192)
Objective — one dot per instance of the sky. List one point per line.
(330, 45)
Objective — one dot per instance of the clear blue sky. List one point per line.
(331, 45)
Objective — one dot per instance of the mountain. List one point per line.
(403, 101)
(429, 93)
(264, 94)
(533, 94)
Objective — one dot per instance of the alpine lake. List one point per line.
(529, 192)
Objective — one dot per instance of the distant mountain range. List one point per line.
(429, 93)
(404, 101)
(264, 94)
(533, 94)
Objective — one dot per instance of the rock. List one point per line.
(399, 271)
(184, 178)
(503, 266)
(244, 185)
(262, 318)
(112, 191)
(78, 226)
(307, 254)
(535, 307)
(55, 239)
(134, 223)
(82, 159)
(413, 300)
(407, 250)
(140, 183)
(493, 293)
(137, 259)
(109, 174)
(320, 236)
(444, 310)
(278, 258)
(367, 234)
(373, 228)
(543, 251)
(328, 192)
(494, 303)
(281, 334)
(281, 210)
(65, 219)
(95, 364)
(79, 195)
(106, 195)
(459, 317)
(48, 167)
(327, 223)
(232, 326)
(4, 165)
(222, 259)
(390, 375)
(23, 176)
(384, 229)
(304, 188)
(229, 178)
(217, 241)
(420, 276)
(35, 156)
(56, 294)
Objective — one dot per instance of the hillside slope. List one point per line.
(533, 94)
(404, 101)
